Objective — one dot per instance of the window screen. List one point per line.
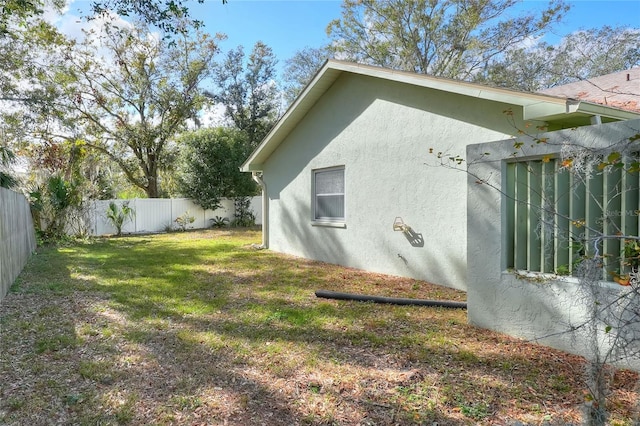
(329, 194)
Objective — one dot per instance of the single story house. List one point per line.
(350, 174)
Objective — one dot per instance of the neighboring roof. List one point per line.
(535, 106)
(619, 90)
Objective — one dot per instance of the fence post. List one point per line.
(135, 216)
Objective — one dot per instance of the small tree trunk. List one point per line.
(598, 380)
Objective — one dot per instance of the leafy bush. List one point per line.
(6, 158)
(209, 166)
(57, 209)
(184, 220)
(118, 216)
(219, 222)
(243, 216)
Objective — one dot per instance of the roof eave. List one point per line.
(319, 84)
(554, 112)
(251, 167)
(535, 106)
(606, 111)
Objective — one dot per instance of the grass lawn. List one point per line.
(200, 328)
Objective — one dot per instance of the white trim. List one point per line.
(257, 177)
(328, 224)
(314, 197)
(536, 106)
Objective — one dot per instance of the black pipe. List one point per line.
(392, 300)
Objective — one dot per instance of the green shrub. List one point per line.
(184, 220)
(219, 222)
(118, 216)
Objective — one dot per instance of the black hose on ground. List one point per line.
(392, 300)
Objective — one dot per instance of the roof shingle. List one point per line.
(618, 90)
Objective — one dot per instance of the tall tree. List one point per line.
(300, 69)
(248, 91)
(598, 51)
(19, 12)
(448, 38)
(210, 166)
(26, 53)
(579, 56)
(167, 15)
(128, 93)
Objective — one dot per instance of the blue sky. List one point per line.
(290, 25)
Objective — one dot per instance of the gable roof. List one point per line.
(619, 89)
(535, 106)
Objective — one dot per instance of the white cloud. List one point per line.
(212, 116)
(73, 22)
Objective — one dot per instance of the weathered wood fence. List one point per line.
(17, 237)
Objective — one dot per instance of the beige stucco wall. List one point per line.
(381, 132)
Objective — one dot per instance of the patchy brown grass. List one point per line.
(199, 328)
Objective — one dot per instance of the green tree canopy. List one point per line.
(581, 55)
(248, 90)
(26, 53)
(447, 38)
(210, 166)
(19, 12)
(300, 69)
(166, 15)
(127, 93)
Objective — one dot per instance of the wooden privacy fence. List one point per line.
(159, 214)
(17, 237)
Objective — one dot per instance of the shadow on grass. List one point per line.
(169, 329)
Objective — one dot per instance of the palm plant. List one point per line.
(118, 215)
(6, 158)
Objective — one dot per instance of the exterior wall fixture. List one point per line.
(415, 238)
(399, 225)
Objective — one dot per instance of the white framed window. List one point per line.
(328, 194)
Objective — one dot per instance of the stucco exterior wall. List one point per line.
(381, 132)
(545, 311)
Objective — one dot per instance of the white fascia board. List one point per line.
(545, 110)
(535, 106)
(324, 78)
(251, 168)
(464, 88)
(606, 111)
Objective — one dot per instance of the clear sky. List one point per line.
(290, 25)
